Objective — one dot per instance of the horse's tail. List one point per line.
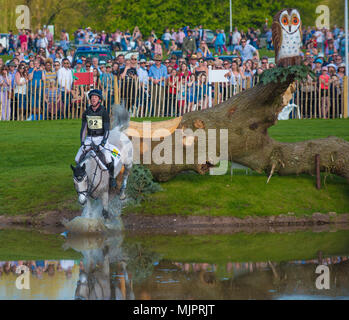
(120, 117)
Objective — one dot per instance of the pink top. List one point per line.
(23, 38)
(325, 78)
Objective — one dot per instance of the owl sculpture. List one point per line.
(287, 37)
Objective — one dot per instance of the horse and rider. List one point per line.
(97, 122)
(102, 154)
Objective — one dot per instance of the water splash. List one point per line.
(92, 221)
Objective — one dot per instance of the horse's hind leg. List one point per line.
(124, 181)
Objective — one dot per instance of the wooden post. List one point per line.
(318, 177)
(345, 96)
(216, 93)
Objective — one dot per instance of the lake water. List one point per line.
(149, 266)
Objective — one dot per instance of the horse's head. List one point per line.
(80, 182)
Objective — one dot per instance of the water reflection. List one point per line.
(113, 268)
(95, 280)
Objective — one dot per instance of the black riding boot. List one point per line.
(112, 181)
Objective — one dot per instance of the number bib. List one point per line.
(94, 122)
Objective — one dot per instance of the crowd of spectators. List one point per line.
(39, 267)
(38, 60)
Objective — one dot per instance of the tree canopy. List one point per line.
(110, 15)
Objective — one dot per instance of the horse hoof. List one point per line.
(122, 196)
(105, 214)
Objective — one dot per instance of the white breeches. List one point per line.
(110, 152)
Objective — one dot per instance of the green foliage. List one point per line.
(140, 183)
(154, 14)
(336, 11)
(158, 14)
(280, 74)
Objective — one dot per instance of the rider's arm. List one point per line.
(106, 125)
(83, 125)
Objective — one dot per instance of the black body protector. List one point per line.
(98, 124)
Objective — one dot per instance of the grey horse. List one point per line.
(91, 177)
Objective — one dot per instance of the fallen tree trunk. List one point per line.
(247, 117)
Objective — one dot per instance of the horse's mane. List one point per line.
(92, 155)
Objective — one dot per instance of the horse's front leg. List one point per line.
(105, 201)
(87, 210)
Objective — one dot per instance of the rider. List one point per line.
(96, 118)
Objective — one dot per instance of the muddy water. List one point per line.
(136, 266)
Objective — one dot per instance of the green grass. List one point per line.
(25, 245)
(242, 196)
(243, 247)
(265, 52)
(36, 176)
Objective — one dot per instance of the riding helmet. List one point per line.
(95, 92)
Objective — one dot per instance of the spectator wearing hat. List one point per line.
(157, 72)
(142, 73)
(317, 67)
(332, 69)
(189, 45)
(12, 72)
(78, 67)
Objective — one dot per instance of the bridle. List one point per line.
(88, 192)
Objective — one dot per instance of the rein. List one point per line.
(89, 191)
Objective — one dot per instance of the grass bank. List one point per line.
(31, 245)
(36, 176)
(242, 247)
